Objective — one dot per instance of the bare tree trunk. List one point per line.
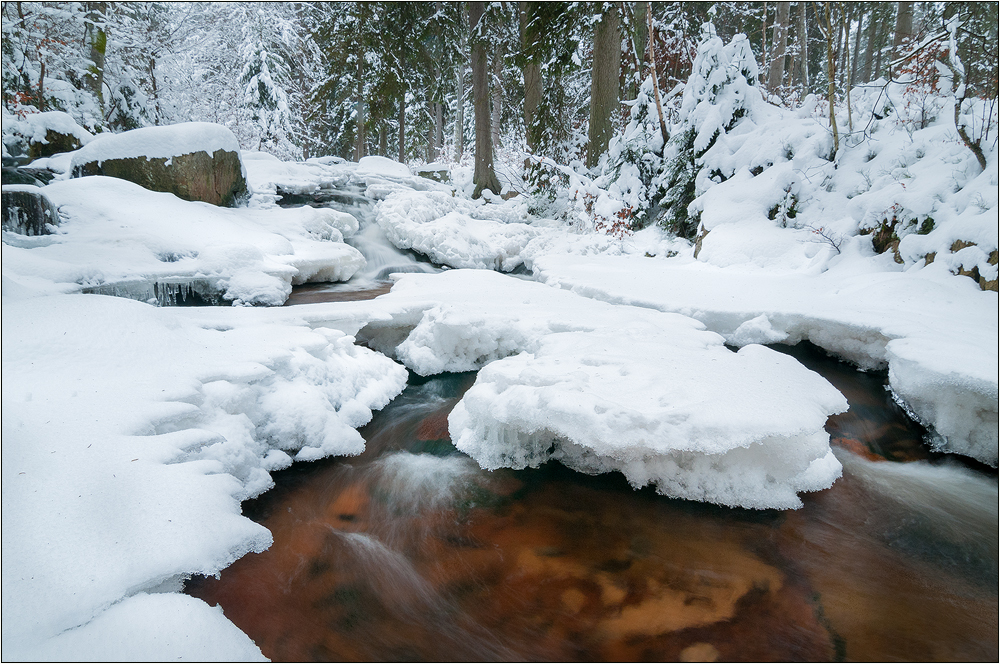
(656, 76)
(866, 69)
(383, 140)
(484, 177)
(532, 74)
(604, 84)
(96, 38)
(831, 77)
(763, 46)
(779, 43)
(904, 23)
(402, 127)
(640, 35)
(857, 46)
(497, 97)
(803, 48)
(359, 138)
(460, 103)
(846, 22)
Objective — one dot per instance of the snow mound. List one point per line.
(454, 231)
(130, 435)
(382, 166)
(158, 142)
(118, 238)
(601, 387)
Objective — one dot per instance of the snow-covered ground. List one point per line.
(132, 432)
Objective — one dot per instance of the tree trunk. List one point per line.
(866, 69)
(531, 72)
(383, 140)
(904, 23)
(497, 96)
(640, 35)
(484, 176)
(604, 84)
(857, 47)
(779, 43)
(97, 41)
(402, 128)
(460, 94)
(359, 138)
(763, 46)
(803, 48)
(831, 77)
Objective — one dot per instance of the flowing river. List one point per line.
(411, 552)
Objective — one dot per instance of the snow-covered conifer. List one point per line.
(722, 89)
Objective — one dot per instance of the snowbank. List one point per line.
(601, 387)
(130, 435)
(34, 126)
(937, 333)
(455, 231)
(118, 238)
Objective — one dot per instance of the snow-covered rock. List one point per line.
(27, 210)
(197, 161)
(43, 134)
(601, 387)
(118, 238)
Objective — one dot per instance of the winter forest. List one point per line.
(496, 331)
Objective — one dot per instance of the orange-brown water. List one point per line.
(411, 552)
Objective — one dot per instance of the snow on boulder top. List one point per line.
(159, 142)
(384, 167)
(35, 125)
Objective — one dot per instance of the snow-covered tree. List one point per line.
(722, 89)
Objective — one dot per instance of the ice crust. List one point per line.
(131, 434)
(601, 387)
(115, 234)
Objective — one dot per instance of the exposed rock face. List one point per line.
(196, 161)
(28, 211)
(198, 176)
(54, 143)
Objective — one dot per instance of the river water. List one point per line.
(411, 552)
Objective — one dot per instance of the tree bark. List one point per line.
(604, 84)
(531, 72)
(904, 27)
(97, 41)
(497, 96)
(484, 177)
(803, 48)
(779, 43)
(640, 35)
(831, 77)
(460, 103)
(866, 69)
(857, 46)
(402, 127)
(359, 137)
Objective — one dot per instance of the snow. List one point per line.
(603, 387)
(158, 142)
(115, 233)
(455, 231)
(936, 333)
(34, 126)
(384, 167)
(131, 434)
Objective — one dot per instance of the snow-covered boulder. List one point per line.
(43, 134)
(603, 388)
(27, 210)
(196, 161)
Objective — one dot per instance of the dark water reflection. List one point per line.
(410, 552)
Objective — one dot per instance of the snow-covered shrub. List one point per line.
(634, 171)
(721, 91)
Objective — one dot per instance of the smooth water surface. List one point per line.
(411, 552)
